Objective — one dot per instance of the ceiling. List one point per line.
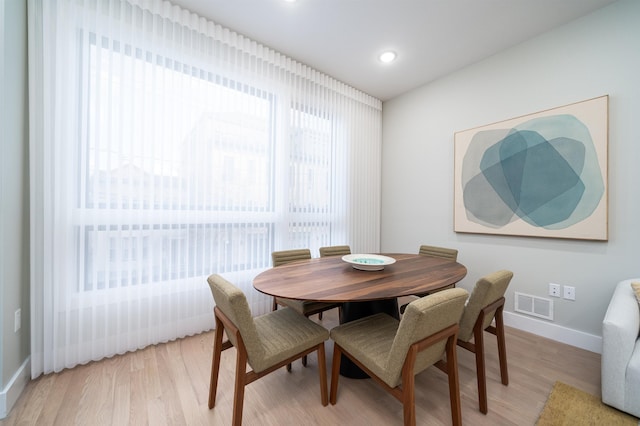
(342, 38)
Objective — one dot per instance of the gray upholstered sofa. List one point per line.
(621, 350)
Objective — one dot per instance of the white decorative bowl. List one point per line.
(368, 262)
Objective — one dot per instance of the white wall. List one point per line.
(14, 196)
(2, 202)
(596, 55)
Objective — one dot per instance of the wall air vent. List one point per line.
(533, 305)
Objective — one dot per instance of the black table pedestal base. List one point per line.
(354, 310)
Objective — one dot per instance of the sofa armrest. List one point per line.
(620, 329)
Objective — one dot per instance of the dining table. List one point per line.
(361, 292)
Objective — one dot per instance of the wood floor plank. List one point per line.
(139, 395)
(42, 406)
(169, 383)
(72, 407)
(121, 405)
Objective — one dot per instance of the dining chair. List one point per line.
(435, 251)
(266, 342)
(392, 352)
(304, 307)
(334, 251)
(485, 303)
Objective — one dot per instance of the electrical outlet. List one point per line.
(569, 292)
(17, 320)
(554, 290)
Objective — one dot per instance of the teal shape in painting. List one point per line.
(544, 172)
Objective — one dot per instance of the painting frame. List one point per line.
(543, 174)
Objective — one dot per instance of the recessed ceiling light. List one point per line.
(290, 1)
(388, 56)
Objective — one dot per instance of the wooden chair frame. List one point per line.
(405, 393)
(244, 377)
(477, 347)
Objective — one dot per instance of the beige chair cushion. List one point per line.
(284, 333)
(233, 303)
(285, 256)
(269, 338)
(381, 342)
(434, 251)
(487, 290)
(334, 251)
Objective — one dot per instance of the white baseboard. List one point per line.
(14, 388)
(555, 332)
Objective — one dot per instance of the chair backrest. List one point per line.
(487, 290)
(334, 251)
(434, 251)
(233, 303)
(285, 256)
(422, 318)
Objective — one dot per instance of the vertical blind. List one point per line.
(164, 148)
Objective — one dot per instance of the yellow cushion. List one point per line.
(636, 289)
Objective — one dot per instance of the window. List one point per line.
(208, 184)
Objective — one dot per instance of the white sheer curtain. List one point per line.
(164, 148)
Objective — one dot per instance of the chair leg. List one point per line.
(408, 398)
(322, 373)
(502, 348)
(215, 363)
(320, 316)
(478, 340)
(304, 358)
(335, 373)
(454, 384)
(238, 396)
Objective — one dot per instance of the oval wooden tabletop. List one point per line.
(330, 279)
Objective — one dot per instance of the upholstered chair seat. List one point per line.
(283, 334)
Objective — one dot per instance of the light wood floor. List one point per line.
(168, 384)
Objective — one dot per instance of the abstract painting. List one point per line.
(542, 175)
